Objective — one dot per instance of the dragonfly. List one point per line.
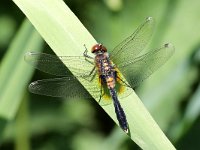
(107, 75)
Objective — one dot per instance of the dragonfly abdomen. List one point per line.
(121, 117)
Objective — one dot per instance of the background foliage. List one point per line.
(172, 94)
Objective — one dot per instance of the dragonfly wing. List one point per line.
(55, 65)
(129, 48)
(143, 66)
(68, 87)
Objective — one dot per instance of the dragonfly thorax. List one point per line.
(105, 69)
(103, 63)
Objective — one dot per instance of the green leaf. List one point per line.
(14, 72)
(66, 36)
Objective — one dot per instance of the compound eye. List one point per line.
(96, 48)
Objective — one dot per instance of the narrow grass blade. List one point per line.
(14, 72)
(22, 138)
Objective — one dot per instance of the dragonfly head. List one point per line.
(99, 49)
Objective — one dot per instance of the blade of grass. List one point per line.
(66, 36)
(115, 137)
(190, 116)
(2, 127)
(22, 126)
(14, 72)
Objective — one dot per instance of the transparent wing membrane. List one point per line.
(55, 65)
(134, 44)
(68, 87)
(138, 69)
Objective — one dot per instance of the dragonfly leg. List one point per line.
(101, 93)
(93, 71)
(91, 75)
(88, 58)
(86, 53)
(125, 83)
(90, 61)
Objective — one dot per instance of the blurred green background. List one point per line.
(172, 94)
